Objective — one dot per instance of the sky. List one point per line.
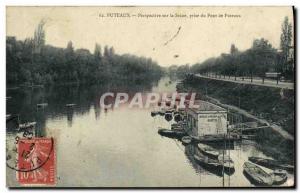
(168, 40)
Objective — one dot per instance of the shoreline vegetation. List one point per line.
(32, 63)
(261, 60)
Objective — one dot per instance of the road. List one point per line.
(255, 81)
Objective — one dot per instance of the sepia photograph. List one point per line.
(150, 97)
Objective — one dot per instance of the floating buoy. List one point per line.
(177, 117)
(168, 116)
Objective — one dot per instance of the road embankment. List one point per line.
(269, 105)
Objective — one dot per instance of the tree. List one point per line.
(106, 52)
(233, 49)
(234, 52)
(39, 36)
(264, 56)
(111, 51)
(285, 42)
(255, 61)
(70, 48)
(32, 62)
(97, 51)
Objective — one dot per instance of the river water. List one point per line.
(119, 147)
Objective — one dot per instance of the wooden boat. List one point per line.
(186, 140)
(208, 151)
(171, 133)
(271, 164)
(279, 176)
(257, 175)
(214, 166)
(215, 138)
(27, 125)
(226, 161)
(177, 129)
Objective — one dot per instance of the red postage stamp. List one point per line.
(36, 161)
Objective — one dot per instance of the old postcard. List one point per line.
(150, 97)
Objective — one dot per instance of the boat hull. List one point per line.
(204, 149)
(271, 164)
(256, 175)
(213, 166)
(171, 133)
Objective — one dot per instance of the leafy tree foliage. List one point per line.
(287, 49)
(256, 61)
(52, 65)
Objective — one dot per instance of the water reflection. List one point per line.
(116, 147)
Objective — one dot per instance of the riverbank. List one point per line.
(266, 105)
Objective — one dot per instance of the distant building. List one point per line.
(208, 119)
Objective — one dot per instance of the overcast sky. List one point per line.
(158, 38)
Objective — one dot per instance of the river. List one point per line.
(118, 147)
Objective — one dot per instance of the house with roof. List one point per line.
(206, 119)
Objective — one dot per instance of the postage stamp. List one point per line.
(36, 161)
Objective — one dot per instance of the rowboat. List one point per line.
(271, 164)
(226, 161)
(215, 138)
(257, 175)
(177, 129)
(214, 166)
(279, 176)
(171, 133)
(208, 151)
(27, 125)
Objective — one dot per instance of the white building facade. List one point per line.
(208, 119)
